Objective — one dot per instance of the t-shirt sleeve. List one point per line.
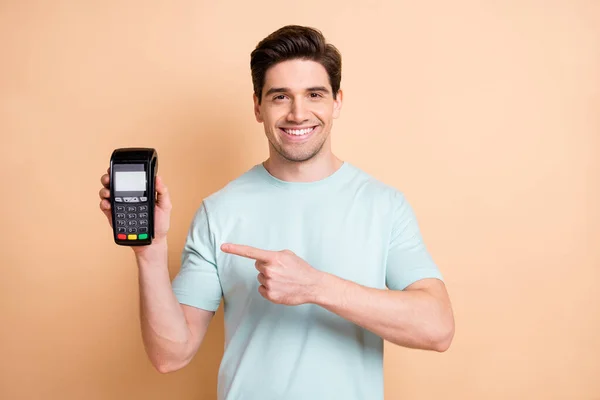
(408, 259)
(197, 283)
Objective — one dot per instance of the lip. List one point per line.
(294, 138)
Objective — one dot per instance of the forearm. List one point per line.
(412, 318)
(165, 331)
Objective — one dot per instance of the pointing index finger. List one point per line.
(247, 251)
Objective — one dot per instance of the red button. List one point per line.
(121, 236)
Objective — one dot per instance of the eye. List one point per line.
(315, 95)
(280, 97)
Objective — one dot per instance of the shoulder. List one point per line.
(365, 183)
(384, 199)
(235, 192)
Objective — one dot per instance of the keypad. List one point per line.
(132, 219)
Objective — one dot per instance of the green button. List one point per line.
(142, 236)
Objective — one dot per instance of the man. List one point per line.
(316, 261)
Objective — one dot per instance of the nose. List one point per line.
(298, 112)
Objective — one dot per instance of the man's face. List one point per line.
(298, 109)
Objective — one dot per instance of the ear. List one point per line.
(337, 104)
(257, 109)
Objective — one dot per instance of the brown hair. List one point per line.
(294, 42)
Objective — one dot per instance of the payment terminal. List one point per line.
(132, 195)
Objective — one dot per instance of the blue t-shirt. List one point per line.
(348, 224)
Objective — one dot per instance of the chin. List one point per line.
(298, 158)
(294, 154)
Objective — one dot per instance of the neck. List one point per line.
(317, 168)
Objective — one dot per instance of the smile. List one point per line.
(298, 132)
(295, 134)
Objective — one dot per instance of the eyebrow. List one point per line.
(284, 90)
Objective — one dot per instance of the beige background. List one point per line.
(486, 114)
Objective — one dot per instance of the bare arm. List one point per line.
(418, 317)
(172, 332)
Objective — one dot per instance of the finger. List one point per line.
(105, 205)
(262, 279)
(260, 265)
(163, 199)
(263, 291)
(104, 193)
(105, 180)
(248, 251)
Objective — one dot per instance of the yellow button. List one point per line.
(131, 237)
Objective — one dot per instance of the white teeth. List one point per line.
(298, 132)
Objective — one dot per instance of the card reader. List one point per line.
(132, 195)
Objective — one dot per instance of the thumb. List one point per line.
(163, 199)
